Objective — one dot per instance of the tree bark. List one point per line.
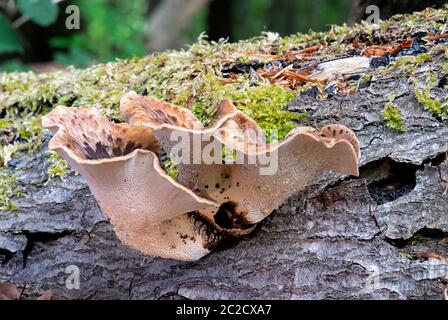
(382, 235)
(168, 20)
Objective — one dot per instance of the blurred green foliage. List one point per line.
(113, 29)
(110, 29)
(9, 41)
(43, 12)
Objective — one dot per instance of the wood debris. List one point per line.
(336, 70)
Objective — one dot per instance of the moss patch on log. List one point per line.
(194, 77)
(8, 190)
(423, 93)
(57, 166)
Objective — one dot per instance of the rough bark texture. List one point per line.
(344, 237)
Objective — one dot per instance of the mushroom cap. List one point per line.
(148, 209)
(245, 195)
(154, 113)
(84, 133)
(121, 166)
(9, 291)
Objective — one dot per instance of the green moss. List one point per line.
(5, 124)
(194, 81)
(57, 166)
(171, 169)
(423, 95)
(265, 104)
(407, 64)
(445, 67)
(393, 118)
(192, 78)
(8, 190)
(26, 133)
(178, 75)
(408, 255)
(401, 61)
(29, 127)
(366, 78)
(7, 151)
(228, 155)
(433, 105)
(423, 58)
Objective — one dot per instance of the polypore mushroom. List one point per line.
(9, 292)
(149, 210)
(121, 166)
(245, 194)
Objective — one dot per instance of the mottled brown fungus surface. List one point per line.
(90, 136)
(184, 219)
(302, 155)
(148, 209)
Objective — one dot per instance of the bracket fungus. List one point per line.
(185, 219)
(249, 188)
(149, 210)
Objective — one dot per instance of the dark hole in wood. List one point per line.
(393, 179)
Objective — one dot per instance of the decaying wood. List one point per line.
(381, 235)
